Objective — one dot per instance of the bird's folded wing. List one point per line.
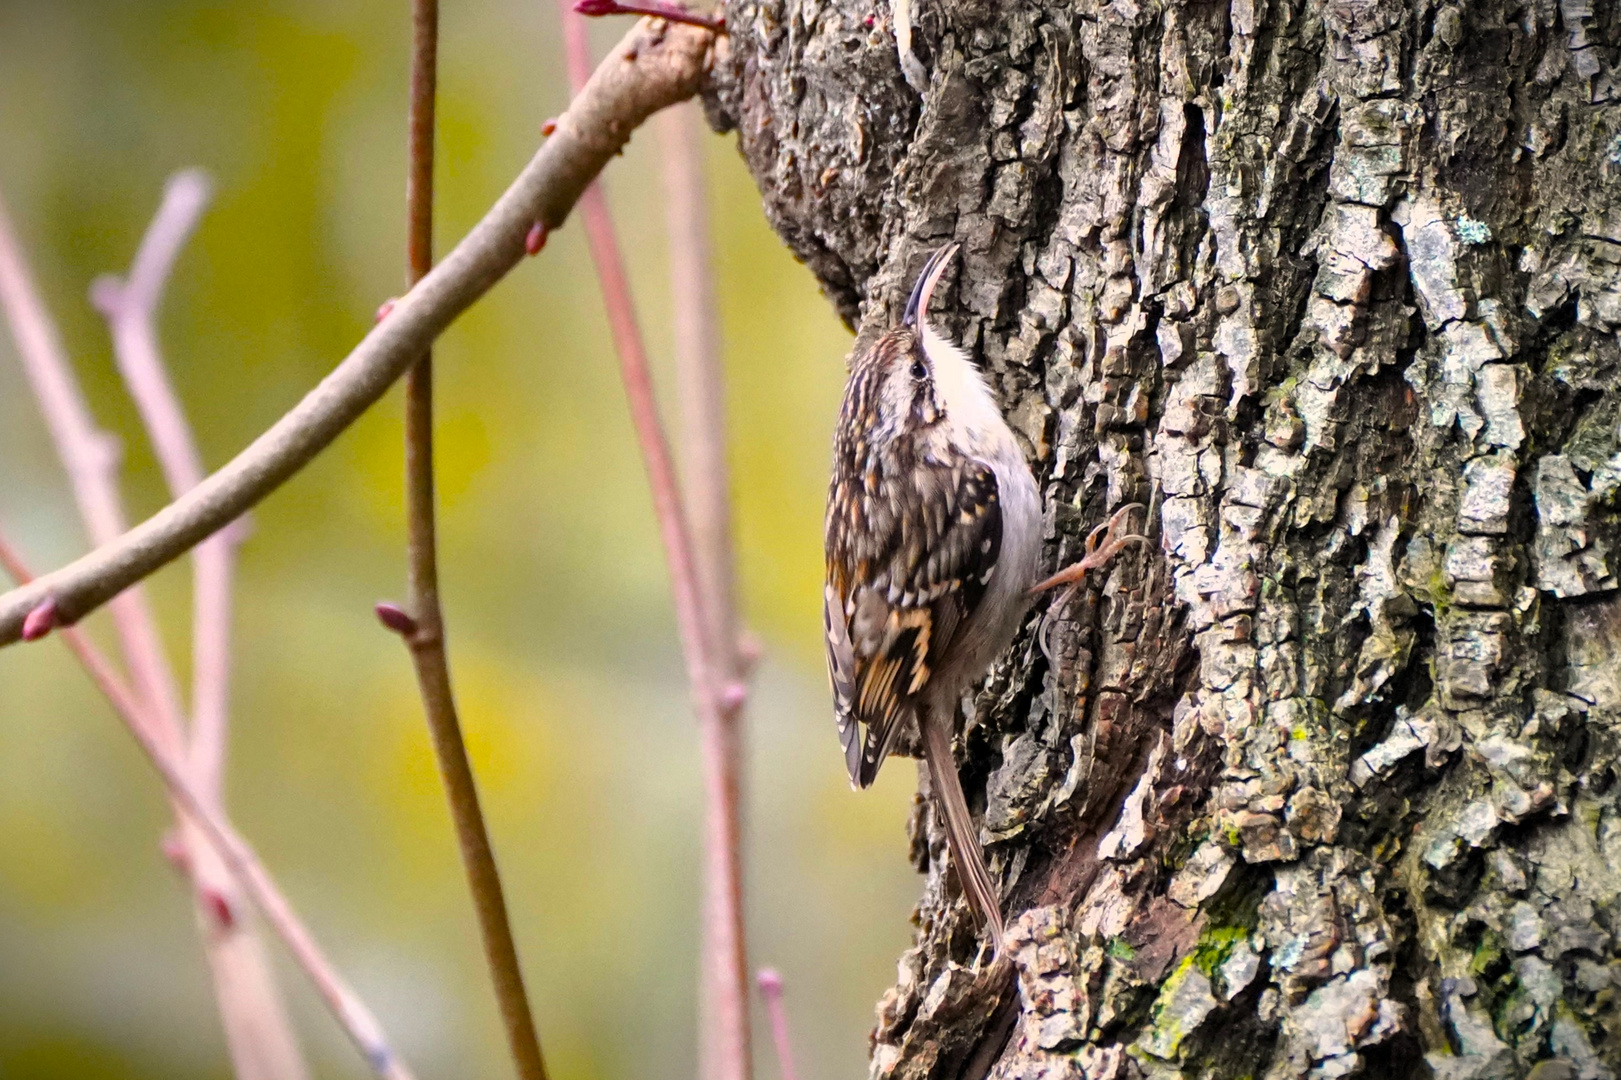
(906, 569)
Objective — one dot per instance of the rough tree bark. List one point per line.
(1328, 781)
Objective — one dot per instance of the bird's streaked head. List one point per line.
(904, 365)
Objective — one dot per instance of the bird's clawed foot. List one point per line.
(1103, 544)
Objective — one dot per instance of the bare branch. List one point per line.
(726, 1034)
(90, 457)
(236, 854)
(701, 389)
(426, 636)
(130, 308)
(657, 64)
(700, 377)
(258, 1033)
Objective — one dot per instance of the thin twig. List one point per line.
(700, 377)
(771, 990)
(130, 307)
(235, 852)
(673, 12)
(258, 1033)
(726, 998)
(426, 640)
(655, 65)
(701, 389)
(90, 457)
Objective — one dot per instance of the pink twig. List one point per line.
(258, 1033)
(130, 308)
(771, 991)
(90, 457)
(234, 852)
(725, 1040)
(672, 12)
(701, 389)
(257, 1030)
(700, 378)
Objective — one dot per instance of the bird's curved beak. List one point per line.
(917, 307)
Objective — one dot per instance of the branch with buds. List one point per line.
(423, 631)
(222, 869)
(657, 64)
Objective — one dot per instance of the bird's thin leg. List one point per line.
(1103, 544)
(961, 836)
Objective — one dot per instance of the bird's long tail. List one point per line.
(961, 835)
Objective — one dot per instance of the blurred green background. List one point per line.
(562, 638)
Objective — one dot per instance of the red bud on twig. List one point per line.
(393, 617)
(385, 307)
(536, 238)
(549, 126)
(40, 621)
(219, 908)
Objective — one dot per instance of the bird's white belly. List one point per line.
(1006, 598)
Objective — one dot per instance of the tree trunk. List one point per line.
(1328, 780)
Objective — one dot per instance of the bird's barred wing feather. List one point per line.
(905, 571)
(841, 669)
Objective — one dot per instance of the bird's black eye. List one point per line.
(919, 372)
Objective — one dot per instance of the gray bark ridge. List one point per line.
(1328, 782)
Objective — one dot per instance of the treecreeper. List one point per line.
(933, 536)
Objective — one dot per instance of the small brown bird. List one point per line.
(933, 537)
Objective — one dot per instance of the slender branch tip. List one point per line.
(750, 651)
(193, 185)
(770, 983)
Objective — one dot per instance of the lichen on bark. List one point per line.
(1328, 782)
